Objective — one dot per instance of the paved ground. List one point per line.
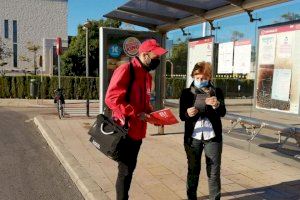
(29, 170)
(161, 169)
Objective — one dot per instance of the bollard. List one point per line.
(87, 107)
(161, 130)
(33, 88)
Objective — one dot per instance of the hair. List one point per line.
(202, 68)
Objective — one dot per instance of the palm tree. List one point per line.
(290, 16)
(236, 35)
(34, 49)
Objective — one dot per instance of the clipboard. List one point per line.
(200, 101)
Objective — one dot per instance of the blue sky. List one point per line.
(79, 11)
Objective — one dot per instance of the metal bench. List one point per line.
(256, 125)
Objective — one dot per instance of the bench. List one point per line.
(282, 129)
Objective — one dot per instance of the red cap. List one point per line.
(152, 46)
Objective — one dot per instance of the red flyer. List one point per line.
(162, 117)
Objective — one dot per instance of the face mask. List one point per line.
(200, 84)
(152, 64)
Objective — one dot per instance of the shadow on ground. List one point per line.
(285, 190)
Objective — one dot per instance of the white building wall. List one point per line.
(37, 20)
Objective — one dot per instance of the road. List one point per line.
(28, 168)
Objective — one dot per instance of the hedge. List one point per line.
(74, 87)
(229, 87)
(82, 87)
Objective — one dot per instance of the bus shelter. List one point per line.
(162, 16)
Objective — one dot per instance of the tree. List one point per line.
(24, 59)
(236, 35)
(34, 49)
(73, 59)
(290, 16)
(5, 52)
(179, 57)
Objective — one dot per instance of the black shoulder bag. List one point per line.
(106, 135)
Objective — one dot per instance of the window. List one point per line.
(15, 31)
(15, 50)
(5, 28)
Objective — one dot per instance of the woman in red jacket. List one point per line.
(201, 108)
(134, 107)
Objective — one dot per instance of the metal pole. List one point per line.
(161, 129)
(203, 29)
(59, 84)
(87, 69)
(172, 70)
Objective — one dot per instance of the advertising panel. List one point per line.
(116, 47)
(278, 69)
(225, 58)
(200, 49)
(242, 57)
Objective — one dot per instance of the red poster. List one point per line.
(162, 117)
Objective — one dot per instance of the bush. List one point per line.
(82, 87)
(174, 87)
(74, 87)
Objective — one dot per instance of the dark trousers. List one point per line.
(213, 151)
(126, 166)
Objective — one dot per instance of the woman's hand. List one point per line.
(212, 101)
(192, 111)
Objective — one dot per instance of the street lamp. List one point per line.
(86, 27)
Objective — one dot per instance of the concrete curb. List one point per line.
(89, 189)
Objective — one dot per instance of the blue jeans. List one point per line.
(213, 151)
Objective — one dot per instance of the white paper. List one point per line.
(267, 46)
(281, 84)
(242, 59)
(285, 42)
(225, 59)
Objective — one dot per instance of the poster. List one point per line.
(225, 59)
(278, 71)
(281, 84)
(285, 44)
(242, 57)
(198, 50)
(267, 46)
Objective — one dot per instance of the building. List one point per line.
(32, 22)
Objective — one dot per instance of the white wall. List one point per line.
(36, 20)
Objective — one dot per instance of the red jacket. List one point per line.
(139, 98)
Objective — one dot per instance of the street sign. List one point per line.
(58, 46)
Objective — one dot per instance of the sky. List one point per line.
(79, 11)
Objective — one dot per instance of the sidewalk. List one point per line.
(43, 103)
(161, 169)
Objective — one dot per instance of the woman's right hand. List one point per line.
(192, 111)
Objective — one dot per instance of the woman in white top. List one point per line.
(201, 108)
